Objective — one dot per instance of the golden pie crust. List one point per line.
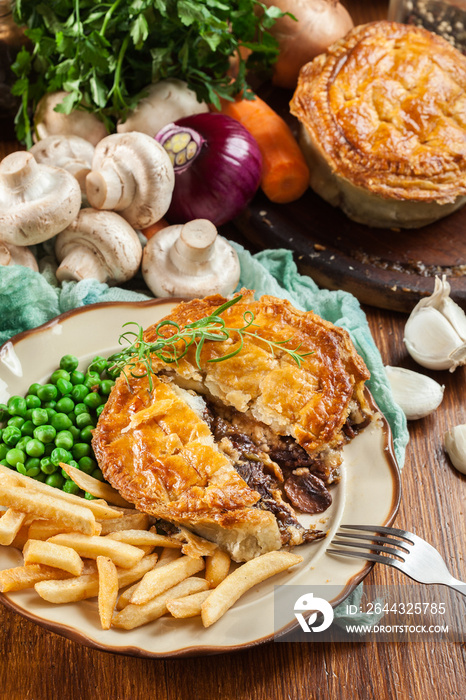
(159, 452)
(384, 114)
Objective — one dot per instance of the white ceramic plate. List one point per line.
(367, 494)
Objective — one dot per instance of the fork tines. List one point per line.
(396, 546)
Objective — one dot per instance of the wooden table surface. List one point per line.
(36, 664)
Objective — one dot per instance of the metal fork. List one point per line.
(403, 550)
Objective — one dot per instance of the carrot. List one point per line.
(154, 228)
(285, 175)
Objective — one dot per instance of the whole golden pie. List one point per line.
(230, 448)
(383, 115)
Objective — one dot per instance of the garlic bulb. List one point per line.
(455, 445)
(416, 394)
(435, 333)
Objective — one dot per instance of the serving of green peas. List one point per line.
(53, 423)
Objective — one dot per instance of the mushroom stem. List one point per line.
(5, 255)
(81, 263)
(20, 169)
(194, 245)
(106, 190)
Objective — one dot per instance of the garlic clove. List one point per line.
(455, 445)
(416, 394)
(435, 332)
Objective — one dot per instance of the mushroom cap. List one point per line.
(163, 102)
(100, 242)
(17, 255)
(36, 201)
(141, 165)
(47, 122)
(72, 153)
(191, 261)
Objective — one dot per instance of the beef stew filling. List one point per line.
(265, 460)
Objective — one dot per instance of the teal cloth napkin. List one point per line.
(28, 299)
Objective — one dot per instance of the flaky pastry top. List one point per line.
(386, 106)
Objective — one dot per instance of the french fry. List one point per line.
(96, 488)
(42, 505)
(189, 606)
(87, 585)
(125, 597)
(156, 582)
(39, 552)
(10, 524)
(167, 555)
(43, 529)
(143, 537)
(21, 577)
(21, 538)
(101, 510)
(217, 567)
(241, 580)
(123, 555)
(108, 590)
(136, 615)
(133, 520)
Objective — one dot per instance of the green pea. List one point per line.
(98, 365)
(86, 434)
(106, 386)
(33, 388)
(16, 421)
(47, 392)
(3, 450)
(47, 466)
(28, 414)
(87, 465)
(55, 480)
(35, 448)
(75, 432)
(32, 463)
(88, 496)
(17, 406)
(39, 416)
(49, 405)
(81, 449)
(14, 456)
(27, 428)
(64, 386)
(80, 408)
(4, 413)
(21, 468)
(32, 401)
(99, 410)
(93, 400)
(4, 463)
(60, 421)
(78, 392)
(22, 442)
(50, 413)
(73, 463)
(97, 474)
(84, 419)
(92, 380)
(77, 377)
(69, 363)
(70, 487)
(59, 374)
(60, 455)
(32, 471)
(40, 477)
(65, 405)
(49, 448)
(64, 439)
(11, 435)
(45, 433)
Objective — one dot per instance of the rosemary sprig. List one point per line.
(172, 348)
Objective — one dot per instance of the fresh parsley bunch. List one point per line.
(104, 53)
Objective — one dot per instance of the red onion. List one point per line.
(217, 164)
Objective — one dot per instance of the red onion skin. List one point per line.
(223, 178)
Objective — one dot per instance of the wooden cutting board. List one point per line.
(390, 269)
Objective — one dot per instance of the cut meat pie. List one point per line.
(226, 447)
(383, 115)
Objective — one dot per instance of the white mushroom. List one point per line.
(163, 103)
(48, 122)
(132, 174)
(99, 245)
(190, 260)
(72, 153)
(36, 201)
(17, 255)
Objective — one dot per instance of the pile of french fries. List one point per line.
(76, 549)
